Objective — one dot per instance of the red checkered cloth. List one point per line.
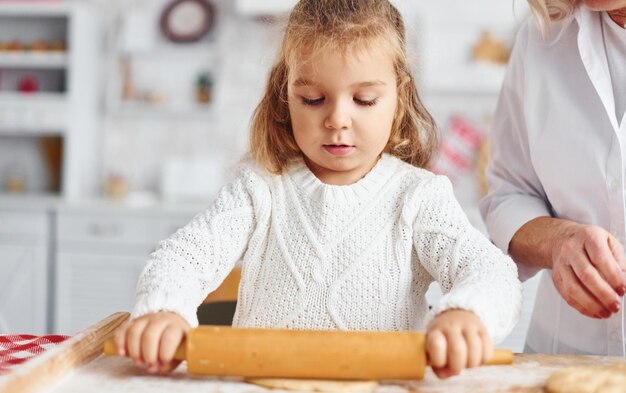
(18, 348)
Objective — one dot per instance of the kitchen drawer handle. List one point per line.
(100, 229)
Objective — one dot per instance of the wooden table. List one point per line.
(528, 373)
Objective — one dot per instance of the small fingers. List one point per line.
(133, 339)
(457, 351)
(150, 342)
(119, 338)
(474, 345)
(171, 339)
(437, 349)
(487, 346)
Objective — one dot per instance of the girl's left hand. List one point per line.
(455, 340)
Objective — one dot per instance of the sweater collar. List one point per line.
(367, 186)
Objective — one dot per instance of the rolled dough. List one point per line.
(315, 385)
(590, 379)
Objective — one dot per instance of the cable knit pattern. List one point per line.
(317, 256)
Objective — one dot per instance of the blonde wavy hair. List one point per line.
(316, 27)
(547, 11)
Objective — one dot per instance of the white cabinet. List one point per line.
(49, 97)
(100, 255)
(91, 286)
(23, 272)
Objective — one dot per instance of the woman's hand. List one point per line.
(455, 340)
(588, 269)
(152, 340)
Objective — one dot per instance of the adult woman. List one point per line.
(556, 176)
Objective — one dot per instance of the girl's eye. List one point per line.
(312, 101)
(366, 102)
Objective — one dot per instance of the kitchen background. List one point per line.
(115, 130)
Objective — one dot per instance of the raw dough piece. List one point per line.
(315, 385)
(590, 379)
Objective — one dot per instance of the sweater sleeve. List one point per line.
(473, 274)
(195, 260)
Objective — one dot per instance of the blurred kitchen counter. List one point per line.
(65, 263)
(139, 204)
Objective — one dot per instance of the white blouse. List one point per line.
(558, 150)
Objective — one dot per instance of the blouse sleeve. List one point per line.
(473, 274)
(196, 259)
(516, 195)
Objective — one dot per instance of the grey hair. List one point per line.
(547, 11)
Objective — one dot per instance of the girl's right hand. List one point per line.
(588, 269)
(152, 340)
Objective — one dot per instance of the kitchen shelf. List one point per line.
(35, 114)
(35, 8)
(34, 131)
(34, 60)
(26, 98)
(139, 110)
(178, 52)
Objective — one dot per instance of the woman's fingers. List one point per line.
(602, 252)
(587, 270)
(576, 294)
(617, 249)
(594, 282)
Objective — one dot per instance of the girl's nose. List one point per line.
(338, 118)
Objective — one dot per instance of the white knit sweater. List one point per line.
(317, 256)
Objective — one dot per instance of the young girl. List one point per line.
(336, 223)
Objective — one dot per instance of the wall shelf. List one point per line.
(27, 98)
(31, 131)
(35, 8)
(34, 60)
(141, 110)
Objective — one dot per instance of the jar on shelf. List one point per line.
(204, 88)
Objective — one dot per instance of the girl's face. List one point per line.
(342, 107)
(605, 5)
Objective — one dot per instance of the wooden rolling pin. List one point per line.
(282, 353)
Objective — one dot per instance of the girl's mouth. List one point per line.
(339, 150)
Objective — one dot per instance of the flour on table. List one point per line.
(316, 385)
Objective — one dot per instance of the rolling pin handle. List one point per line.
(110, 348)
(500, 357)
